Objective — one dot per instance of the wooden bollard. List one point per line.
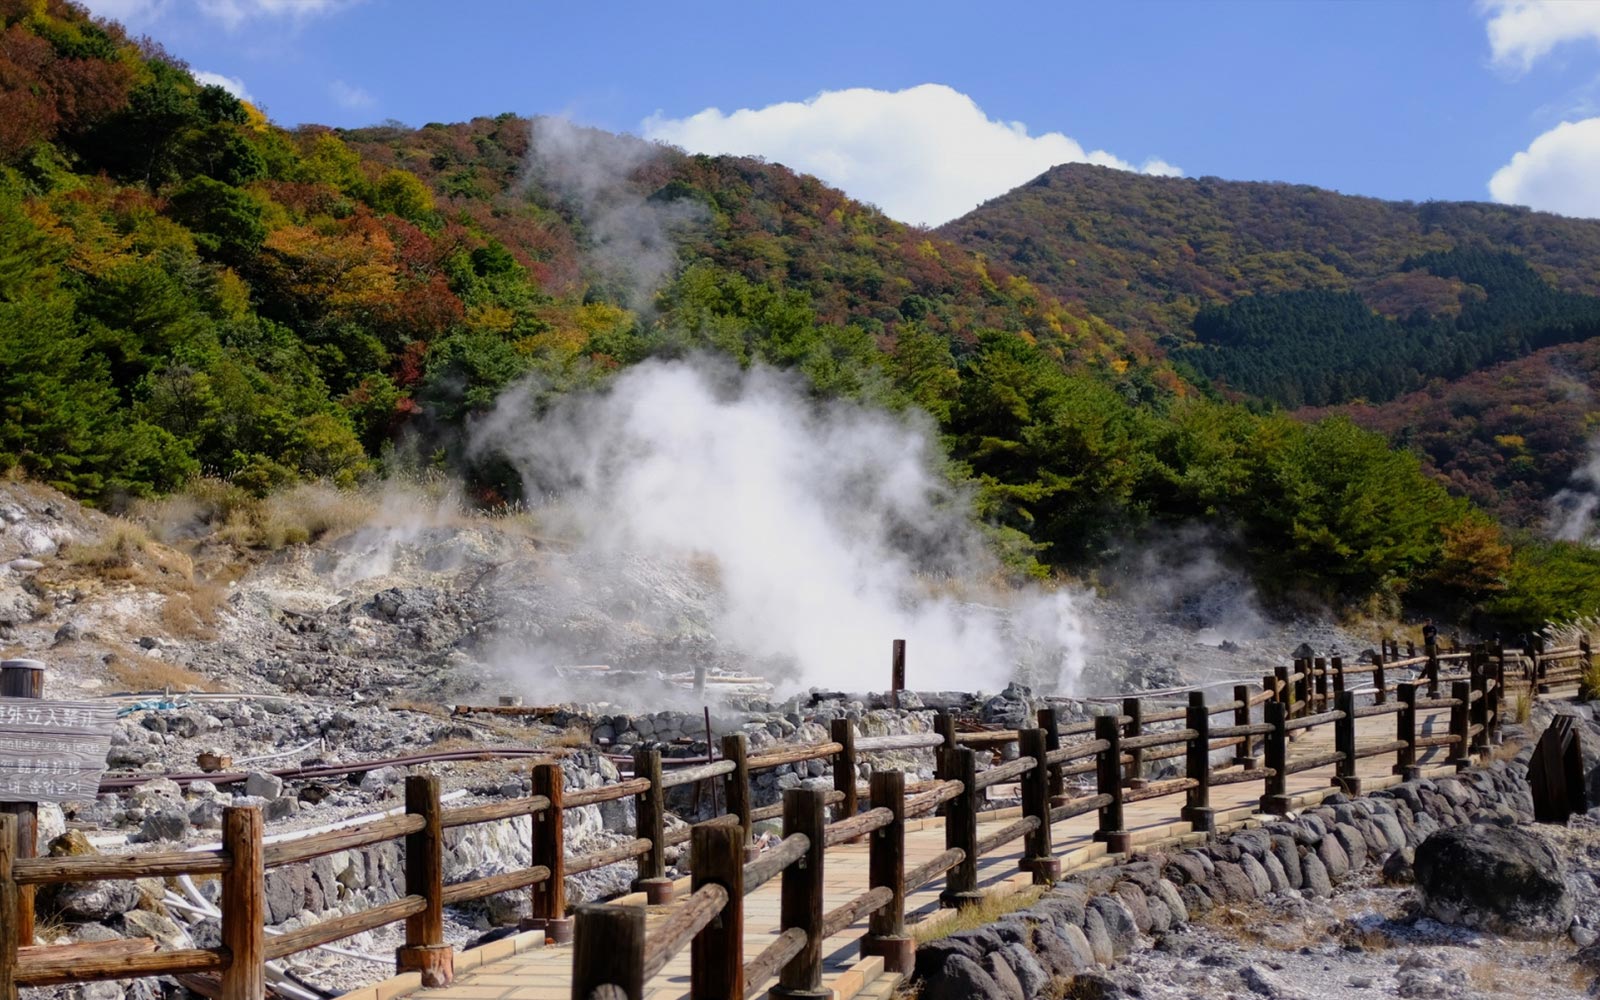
(1037, 855)
(1405, 731)
(1381, 697)
(1275, 797)
(23, 679)
(736, 789)
(651, 824)
(1344, 741)
(1319, 671)
(9, 897)
(1198, 811)
(1244, 754)
(1461, 724)
(1108, 775)
(1050, 723)
(945, 725)
(244, 905)
(961, 830)
(1478, 678)
(1336, 665)
(897, 672)
(716, 958)
(1303, 692)
(1281, 691)
(1411, 649)
(425, 950)
(549, 898)
(804, 811)
(1498, 695)
(1432, 669)
(886, 935)
(843, 732)
(608, 951)
(1133, 708)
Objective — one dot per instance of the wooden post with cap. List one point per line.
(549, 839)
(23, 679)
(886, 935)
(425, 950)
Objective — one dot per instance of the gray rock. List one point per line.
(1260, 980)
(1119, 923)
(96, 900)
(263, 785)
(1397, 867)
(1314, 879)
(1030, 974)
(961, 978)
(1094, 930)
(1501, 879)
(162, 930)
(1256, 874)
(167, 822)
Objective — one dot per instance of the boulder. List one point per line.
(1505, 880)
(962, 979)
(263, 785)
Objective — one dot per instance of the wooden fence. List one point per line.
(612, 954)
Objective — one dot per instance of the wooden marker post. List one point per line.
(716, 957)
(8, 906)
(804, 811)
(244, 905)
(608, 951)
(897, 672)
(1405, 731)
(1461, 724)
(652, 826)
(549, 835)
(1049, 722)
(886, 934)
(23, 679)
(1108, 775)
(1275, 798)
(843, 732)
(425, 950)
(736, 789)
(1037, 855)
(1244, 755)
(945, 725)
(1344, 741)
(1133, 708)
(1198, 811)
(961, 830)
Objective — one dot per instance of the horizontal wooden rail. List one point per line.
(349, 925)
(1076, 751)
(929, 870)
(772, 958)
(1369, 711)
(771, 863)
(490, 885)
(1077, 807)
(493, 812)
(690, 775)
(792, 755)
(1161, 739)
(1004, 773)
(1229, 732)
(40, 968)
(98, 867)
(932, 798)
(604, 793)
(687, 919)
(1158, 789)
(857, 826)
(1007, 834)
(1379, 749)
(907, 741)
(1314, 761)
(377, 831)
(609, 856)
(840, 917)
(1308, 721)
(1239, 777)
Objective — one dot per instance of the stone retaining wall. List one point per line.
(1096, 917)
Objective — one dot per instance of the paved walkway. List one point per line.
(545, 973)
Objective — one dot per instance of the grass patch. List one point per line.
(132, 672)
(127, 552)
(994, 906)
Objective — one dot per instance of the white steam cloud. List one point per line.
(826, 531)
(1573, 510)
(925, 155)
(629, 237)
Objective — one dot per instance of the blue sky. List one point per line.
(1393, 99)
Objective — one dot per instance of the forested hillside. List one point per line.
(189, 290)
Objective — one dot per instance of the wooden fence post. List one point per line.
(650, 811)
(1411, 649)
(1244, 754)
(961, 830)
(1431, 668)
(897, 672)
(716, 958)
(549, 898)
(608, 950)
(1344, 741)
(1108, 779)
(1303, 689)
(1050, 723)
(804, 811)
(1336, 664)
(1461, 724)
(1319, 675)
(1275, 797)
(1198, 811)
(1405, 731)
(244, 906)
(1133, 708)
(1282, 691)
(945, 725)
(843, 732)
(425, 950)
(1382, 695)
(886, 934)
(1499, 694)
(1037, 855)
(736, 788)
(23, 679)
(1478, 677)
(9, 898)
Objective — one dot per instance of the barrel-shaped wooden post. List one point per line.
(1461, 724)
(8, 907)
(1133, 708)
(651, 816)
(886, 934)
(549, 910)
(244, 905)
(716, 958)
(23, 679)
(425, 950)
(1051, 724)
(1108, 779)
(1244, 755)
(608, 951)
(1037, 854)
(1405, 730)
(945, 725)
(1344, 741)
(1197, 758)
(736, 788)
(804, 811)
(843, 732)
(1275, 797)
(961, 830)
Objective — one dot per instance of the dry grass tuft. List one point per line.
(992, 908)
(133, 672)
(232, 516)
(127, 552)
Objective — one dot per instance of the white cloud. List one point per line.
(229, 13)
(127, 11)
(1558, 172)
(350, 97)
(1523, 31)
(925, 155)
(231, 84)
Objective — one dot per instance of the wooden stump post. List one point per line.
(1197, 760)
(1275, 797)
(843, 732)
(9, 900)
(23, 679)
(1461, 724)
(961, 830)
(608, 950)
(549, 849)
(736, 788)
(244, 906)
(886, 934)
(1244, 754)
(804, 811)
(1050, 723)
(716, 957)
(425, 950)
(1344, 741)
(1108, 778)
(897, 672)
(1037, 856)
(1405, 731)
(651, 814)
(1133, 708)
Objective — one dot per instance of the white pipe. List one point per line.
(281, 753)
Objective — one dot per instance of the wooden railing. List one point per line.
(1114, 749)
